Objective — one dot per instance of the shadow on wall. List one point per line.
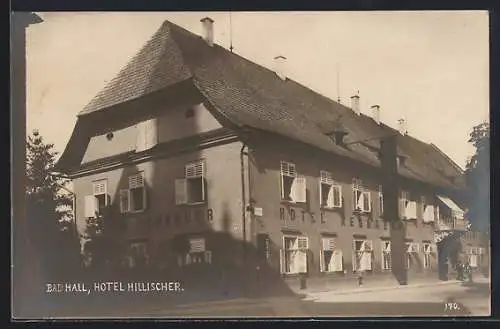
(231, 268)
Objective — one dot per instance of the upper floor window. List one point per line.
(428, 210)
(133, 199)
(192, 188)
(380, 200)
(330, 192)
(293, 186)
(407, 207)
(361, 196)
(97, 202)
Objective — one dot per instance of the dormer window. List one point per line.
(338, 137)
(401, 160)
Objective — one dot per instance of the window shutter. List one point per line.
(328, 243)
(124, 201)
(100, 187)
(299, 193)
(282, 261)
(188, 259)
(326, 177)
(90, 206)
(197, 245)
(366, 261)
(366, 201)
(429, 213)
(322, 261)
(386, 246)
(300, 261)
(181, 191)
(208, 257)
(337, 189)
(359, 202)
(330, 201)
(144, 198)
(136, 181)
(336, 261)
(302, 243)
(288, 169)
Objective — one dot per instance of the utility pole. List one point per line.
(390, 188)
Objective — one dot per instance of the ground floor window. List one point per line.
(293, 258)
(362, 255)
(386, 256)
(428, 251)
(331, 259)
(197, 253)
(138, 255)
(411, 254)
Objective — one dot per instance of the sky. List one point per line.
(430, 68)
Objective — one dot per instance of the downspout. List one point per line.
(243, 198)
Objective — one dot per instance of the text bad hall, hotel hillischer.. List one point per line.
(191, 142)
(113, 286)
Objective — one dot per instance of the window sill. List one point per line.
(190, 204)
(332, 209)
(135, 212)
(293, 203)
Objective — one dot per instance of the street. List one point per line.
(434, 300)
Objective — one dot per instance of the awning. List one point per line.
(452, 205)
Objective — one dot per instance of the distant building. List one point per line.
(191, 142)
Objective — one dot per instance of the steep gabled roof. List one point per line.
(248, 94)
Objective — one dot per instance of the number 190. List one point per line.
(451, 307)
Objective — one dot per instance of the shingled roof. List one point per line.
(250, 95)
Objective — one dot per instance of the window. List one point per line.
(330, 256)
(411, 249)
(329, 191)
(428, 211)
(380, 201)
(361, 197)
(293, 186)
(138, 254)
(294, 254)
(403, 203)
(428, 250)
(97, 202)
(363, 255)
(198, 254)
(133, 199)
(192, 188)
(386, 256)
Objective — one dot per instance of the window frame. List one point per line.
(356, 263)
(295, 248)
(333, 249)
(358, 187)
(288, 169)
(191, 173)
(95, 183)
(326, 179)
(130, 194)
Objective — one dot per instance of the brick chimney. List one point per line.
(355, 104)
(402, 126)
(280, 67)
(208, 30)
(376, 113)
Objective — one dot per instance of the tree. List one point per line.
(477, 175)
(49, 210)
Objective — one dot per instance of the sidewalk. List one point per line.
(382, 285)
